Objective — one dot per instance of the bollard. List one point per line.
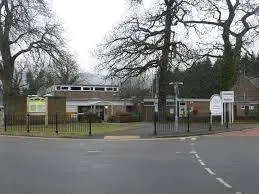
(90, 124)
(5, 122)
(155, 118)
(210, 127)
(28, 123)
(56, 122)
(188, 129)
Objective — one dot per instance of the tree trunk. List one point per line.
(162, 92)
(228, 65)
(7, 75)
(163, 85)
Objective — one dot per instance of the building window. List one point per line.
(148, 103)
(242, 107)
(115, 89)
(58, 87)
(108, 89)
(170, 103)
(76, 88)
(64, 88)
(86, 88)
(99, 89)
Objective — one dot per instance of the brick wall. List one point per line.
(201, 108)
(56, 104)
(250, 90)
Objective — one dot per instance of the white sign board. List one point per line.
(251, 107)
(36, 105)
(216, 108)
(156, 107)
(227, 96)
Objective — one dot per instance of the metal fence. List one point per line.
(167, 124)
(81, 125)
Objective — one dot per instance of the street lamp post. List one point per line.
(176, 102)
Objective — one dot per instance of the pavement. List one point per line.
(146, 129)
(196, 165)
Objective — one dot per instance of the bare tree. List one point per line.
(26, 26)
(137, 86)
(238, 24)
(65, 70)
(146, 41)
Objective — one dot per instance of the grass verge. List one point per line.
(80, 130)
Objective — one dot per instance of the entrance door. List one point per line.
(100, 111)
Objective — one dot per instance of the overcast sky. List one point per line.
(86, 22)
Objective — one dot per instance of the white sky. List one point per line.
(86, 22)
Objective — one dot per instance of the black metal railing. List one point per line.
(81, 125)
(189, 123)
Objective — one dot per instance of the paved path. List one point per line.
(146, 129)
(247, 132)
(195, 165)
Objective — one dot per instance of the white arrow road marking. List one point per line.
(193, 152)
(209, 171)
(224, 183)
(201, 162)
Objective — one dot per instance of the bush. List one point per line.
(89, 117)
(122, 117)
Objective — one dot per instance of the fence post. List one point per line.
(188, 130)
(56, 122)
(227, 119)
(5, 122)
(210, 127)
(90, 124)
(155, 119)
(28, 123)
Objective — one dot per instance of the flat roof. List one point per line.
(88, 85)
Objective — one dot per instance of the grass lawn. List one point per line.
(68, 130)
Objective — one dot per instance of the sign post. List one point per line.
(216, 108)
(228, 102)
(37, 106)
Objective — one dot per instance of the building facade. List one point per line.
(104, 100)
(246, 96)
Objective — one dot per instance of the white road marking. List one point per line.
(201, 162)
(193, 152)
(197, 156)
(209, 171)
(191, 144)
(224, 183)
(93, 151)
(194, 138)
(182, 138)
(238, 192)
(178, 152)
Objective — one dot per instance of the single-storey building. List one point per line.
(102, 99)
(246, 96)
(197, 107)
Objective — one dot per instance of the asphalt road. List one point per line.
(204, 165)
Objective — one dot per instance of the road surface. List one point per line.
(209, 164)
